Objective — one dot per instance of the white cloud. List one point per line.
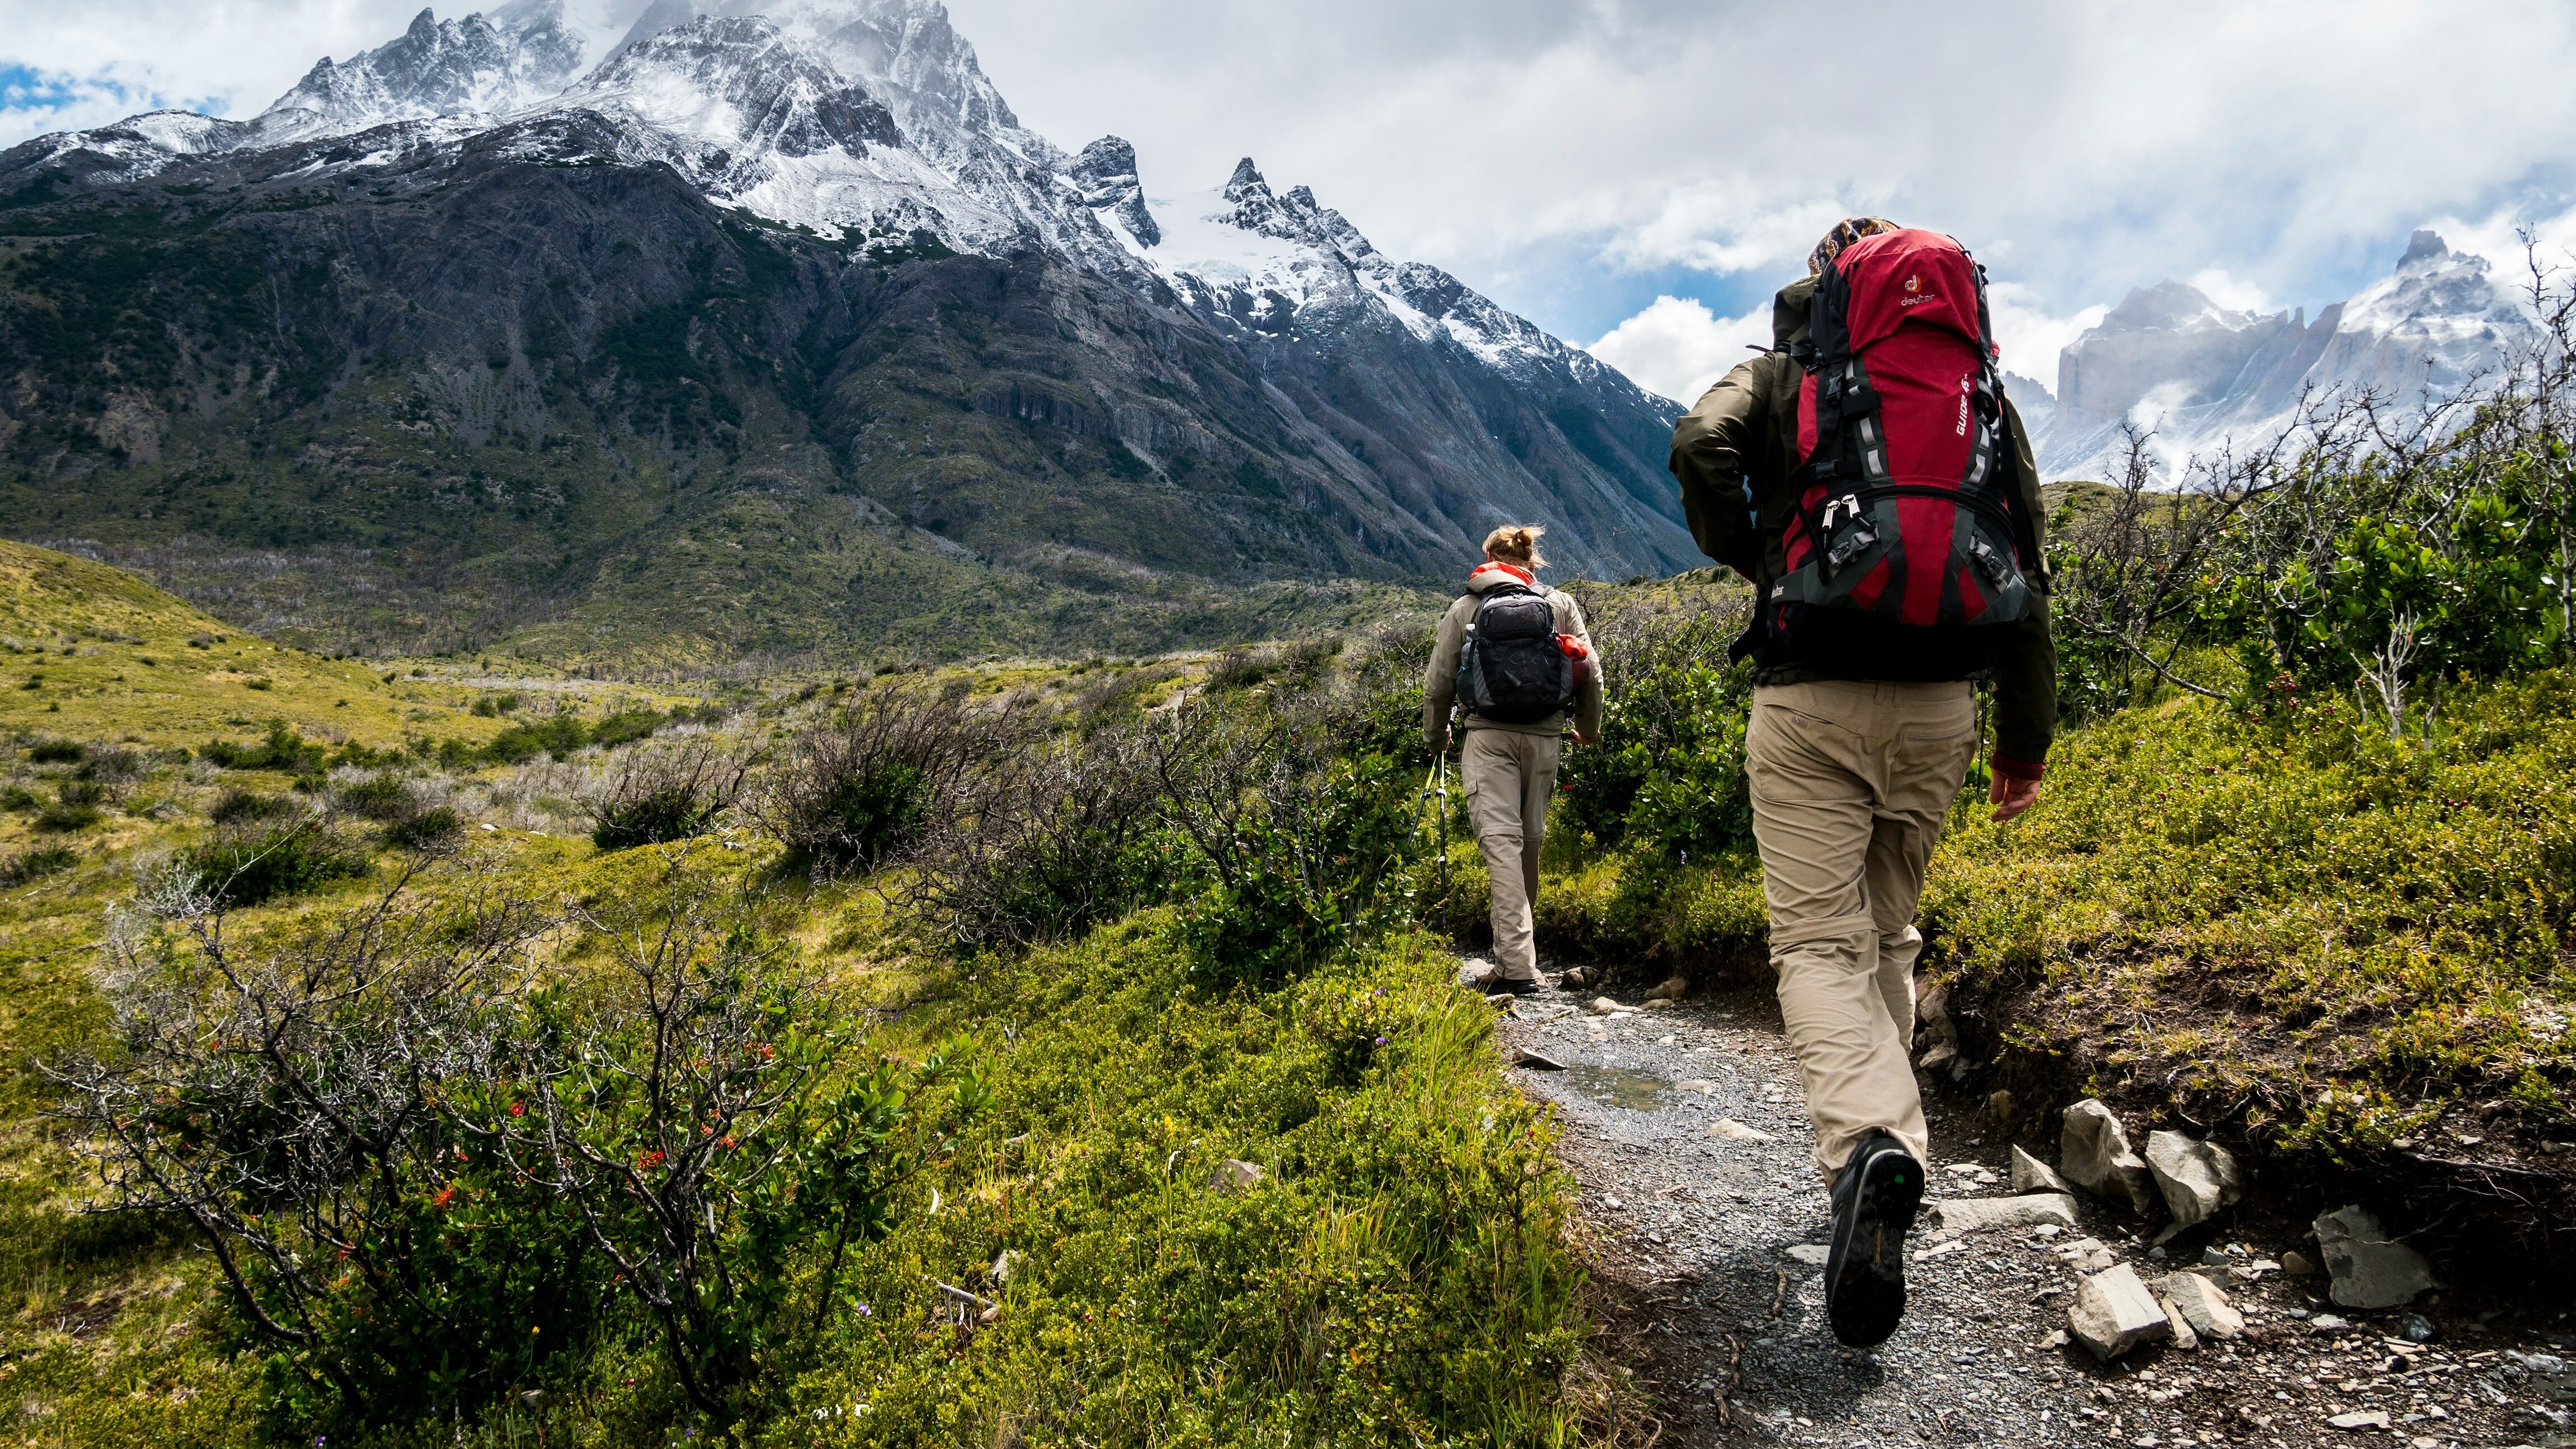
(2233, 292)
(1677, 347)
(2081, 150)
(2029, 334)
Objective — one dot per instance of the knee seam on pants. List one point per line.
(1832, 928)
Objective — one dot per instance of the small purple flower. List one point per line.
(864, 1312)
(1381, 1041)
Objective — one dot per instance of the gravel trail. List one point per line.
(1708, 1252)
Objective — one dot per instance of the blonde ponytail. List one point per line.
(1516, 543)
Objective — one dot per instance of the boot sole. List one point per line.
(1867, 1298)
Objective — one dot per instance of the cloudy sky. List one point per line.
(1638, 175)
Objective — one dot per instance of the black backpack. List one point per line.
(1511, 668)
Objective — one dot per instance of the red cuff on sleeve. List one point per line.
(2012, 769)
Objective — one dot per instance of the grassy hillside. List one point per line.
(94, 653)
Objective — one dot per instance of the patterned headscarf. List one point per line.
(1850, 229)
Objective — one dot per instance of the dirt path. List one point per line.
(1713, 1289)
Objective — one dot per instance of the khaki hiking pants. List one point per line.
(1851, 783)
(1508, 779)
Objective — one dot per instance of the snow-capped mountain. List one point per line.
(700, 235)
(2199, 374)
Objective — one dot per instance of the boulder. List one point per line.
(1479, 973)
(2365, 1266)
(2029, 1174)
(1978, 1214)
(2202, 1304)
(2093, 1152)
(2115, 1313)
(2198, 1178)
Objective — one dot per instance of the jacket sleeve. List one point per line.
(1589, 692)
(2026, 668)
(1440, 679)
(1714, 445)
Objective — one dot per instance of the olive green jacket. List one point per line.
(1743, 435)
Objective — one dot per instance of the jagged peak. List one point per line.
(2424, 251)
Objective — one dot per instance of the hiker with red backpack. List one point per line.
(1871, 479)
(1514, 656)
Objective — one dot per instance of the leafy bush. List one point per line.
(282, 750)
(57, 752)
(378, 797)
(236, 807)
(861, 787)
(75, 807)
(663, 795)
(1047, 844)
(1667, 778)
(36, 864)
(424, 1177)
(426, 830)
(246, 866)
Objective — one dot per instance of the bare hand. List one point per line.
(1581, 738)
(2010, 797)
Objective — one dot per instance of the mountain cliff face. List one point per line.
(2199, 374)
(693, 330)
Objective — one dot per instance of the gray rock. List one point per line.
(2198, 1178)
(1673, 989)
(1731, 1130)
(2361, 1419)
(2366, 1267)
(2202, 1304)
(2115, 1313)
(1977, 1214)
(1479, 973)
(2327, 1323)
(2093, 1152)
(2029, 1174)
(1236, 1175)
(1604, 1006)
(2416, 1328)
(1814, 1254)
(2185, 1337)
(1537, 1062)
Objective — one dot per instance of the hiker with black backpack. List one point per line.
(1869, 477)
(1514, 657)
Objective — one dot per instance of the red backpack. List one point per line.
(1907, 538)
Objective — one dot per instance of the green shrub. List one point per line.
(283, 750)
(249, 866)
(382, 797)
(654, 797)
(236, 807)
(36, 864)
(430, 829)
(57, 752)
(861, 787)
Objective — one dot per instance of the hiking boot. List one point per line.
(1514, 987)
(1874, 1202)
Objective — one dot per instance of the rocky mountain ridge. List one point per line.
(2200, 374)
(800, 251)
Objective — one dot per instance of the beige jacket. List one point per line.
(1440, 681)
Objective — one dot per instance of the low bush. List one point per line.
(656, 796)
(860, 788)
(75, 807)
(381, 797)
(1047, 844)
(282, 750)
(236, 807)
(443, 1169)
(57, 752)
(36, 864)
(426, 830)
(259, 862)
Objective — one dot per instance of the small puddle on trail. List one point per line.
(1628, 1088)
